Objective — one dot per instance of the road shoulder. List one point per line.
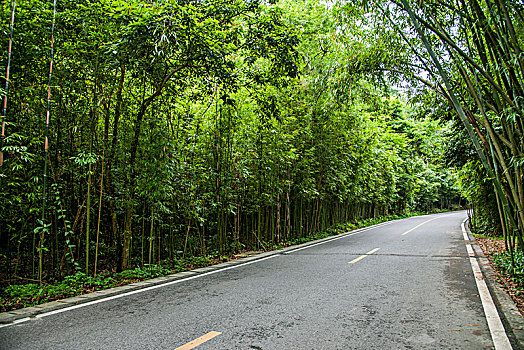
(509, 313)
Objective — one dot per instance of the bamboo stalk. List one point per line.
(151, 238)
(99, 214)
(458, 108)
(88, 212)
(46, 148)
(4, 110)
(187, 236)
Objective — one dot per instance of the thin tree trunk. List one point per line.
(187, 237)
(99, 213)
(88, 216)
(151, 237)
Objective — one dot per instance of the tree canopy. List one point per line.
(467, 56)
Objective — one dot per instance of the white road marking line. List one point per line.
(496, 328)
(425, 222)
(343, 236)
(199, 341)
(471, 253)
(363, 256)
(464, 233)
(20, 320)
(69, 308)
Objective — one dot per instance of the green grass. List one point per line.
(481, 235)
(23, 295)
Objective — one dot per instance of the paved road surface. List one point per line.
(413, 290)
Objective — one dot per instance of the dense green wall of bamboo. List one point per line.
(197, 128)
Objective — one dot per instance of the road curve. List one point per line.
(406, 284)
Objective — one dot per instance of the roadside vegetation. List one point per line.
(512, 266)
(16, 296)
(509, 269)
(183, 132)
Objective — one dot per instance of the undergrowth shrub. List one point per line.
(503, 262)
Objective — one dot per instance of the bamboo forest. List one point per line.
(152, 133)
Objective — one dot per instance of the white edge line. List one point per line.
(69, 308)
(471, 253)
(364, 229)
(20, 320)
(496, 328)
(464, 233)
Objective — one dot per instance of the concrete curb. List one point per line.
(508, 311)
(9, 317)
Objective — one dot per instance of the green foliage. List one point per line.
(17, 295)
(207, 128)
(33, 294)
(141, 273)
(512, 266)
(462, 72)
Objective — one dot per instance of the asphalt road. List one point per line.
(413, 290)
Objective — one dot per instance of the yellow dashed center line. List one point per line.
(198, 341)
(363, 256)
